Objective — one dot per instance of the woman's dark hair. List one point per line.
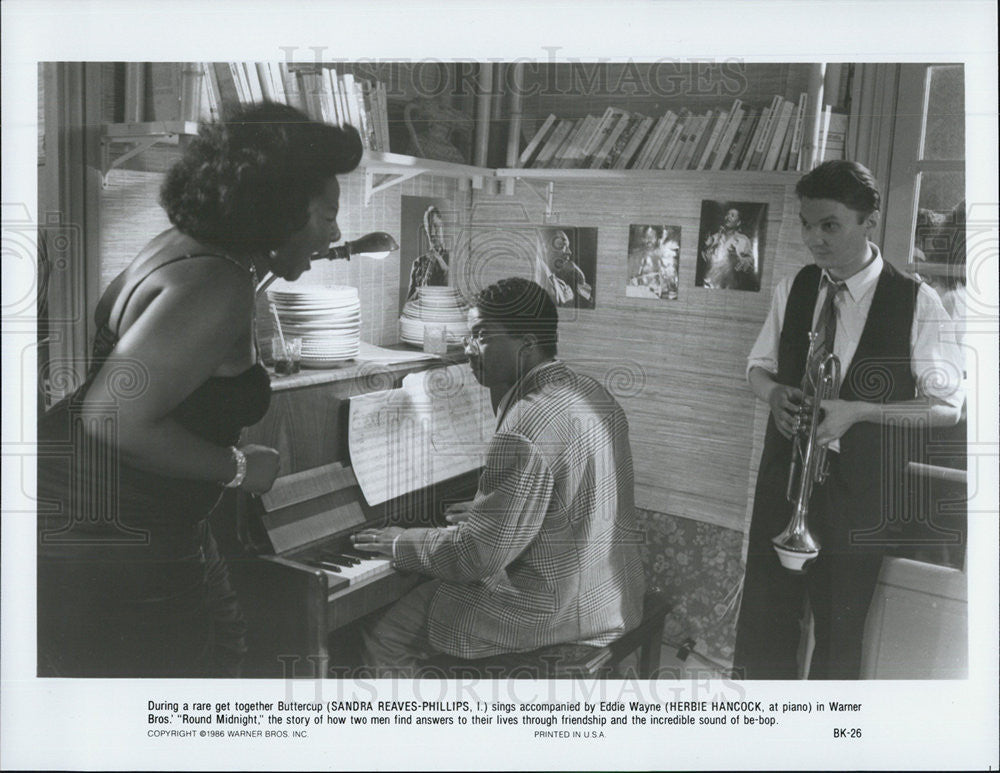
(244, 184)
(848, 182)
(522, 307)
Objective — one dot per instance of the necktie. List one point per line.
(826, 329)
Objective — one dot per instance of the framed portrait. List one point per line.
(653, 262)
(566, 265)
(730, 245)
(427, 228)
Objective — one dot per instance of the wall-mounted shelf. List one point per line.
(385, 170)
(126, 131)
(141, 136)
(530, 177)
(392, 169)
(605, 175)
(382, 170)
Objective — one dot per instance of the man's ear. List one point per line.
(871, 222)
(529, 341)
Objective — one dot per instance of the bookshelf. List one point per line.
(385, 170)
(381, 170)
(711, 117)
(322, 91)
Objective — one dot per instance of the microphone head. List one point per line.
(376, 245)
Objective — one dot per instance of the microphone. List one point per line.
(377, 245)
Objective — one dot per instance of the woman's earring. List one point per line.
(273, 255)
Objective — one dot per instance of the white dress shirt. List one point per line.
(935, 357)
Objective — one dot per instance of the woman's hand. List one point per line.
(262, 468)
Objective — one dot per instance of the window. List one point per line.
(925, 234)
(926, 209)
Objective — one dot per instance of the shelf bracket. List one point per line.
(387, 180)
(378, 180)
(545, 198)
(141, 144)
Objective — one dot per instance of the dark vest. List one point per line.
(880, 372)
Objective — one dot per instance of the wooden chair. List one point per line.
(568, 661)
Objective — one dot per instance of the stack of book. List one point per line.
(158, 91)
(832, 135)
(323, 93)
(742, 137)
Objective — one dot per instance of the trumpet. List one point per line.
(796, 546)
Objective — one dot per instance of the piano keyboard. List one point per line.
(303, 588)
(351, 565)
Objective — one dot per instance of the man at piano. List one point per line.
(547, 552)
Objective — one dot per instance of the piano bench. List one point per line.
(566, 661)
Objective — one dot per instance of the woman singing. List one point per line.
(130, 582)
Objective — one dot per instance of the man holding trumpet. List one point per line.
(899, 367)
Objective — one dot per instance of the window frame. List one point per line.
(906, 169)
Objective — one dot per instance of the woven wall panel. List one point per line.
(677, 367)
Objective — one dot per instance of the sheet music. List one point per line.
(307, 506)
(370, 353)
(436, 426)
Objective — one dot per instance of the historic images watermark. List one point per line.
(432, 78)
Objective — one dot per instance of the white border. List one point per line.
(101, 724)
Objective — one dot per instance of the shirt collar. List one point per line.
(508, 397)
(864, 281)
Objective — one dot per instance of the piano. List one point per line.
(307, 585)
(303, 587)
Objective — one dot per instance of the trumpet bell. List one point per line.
(795, 550)
(793, 560)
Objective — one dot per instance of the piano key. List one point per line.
(334, 579)
(368, 568)
(328, 566)
(333, 558)
(341, 558)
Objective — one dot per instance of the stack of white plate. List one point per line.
(434, 306)
(327, 319)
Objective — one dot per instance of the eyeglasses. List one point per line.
(475, 340)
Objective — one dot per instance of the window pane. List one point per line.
(944, 132)
(41, 113)
(939, 236)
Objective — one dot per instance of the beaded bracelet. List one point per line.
(241, 467)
